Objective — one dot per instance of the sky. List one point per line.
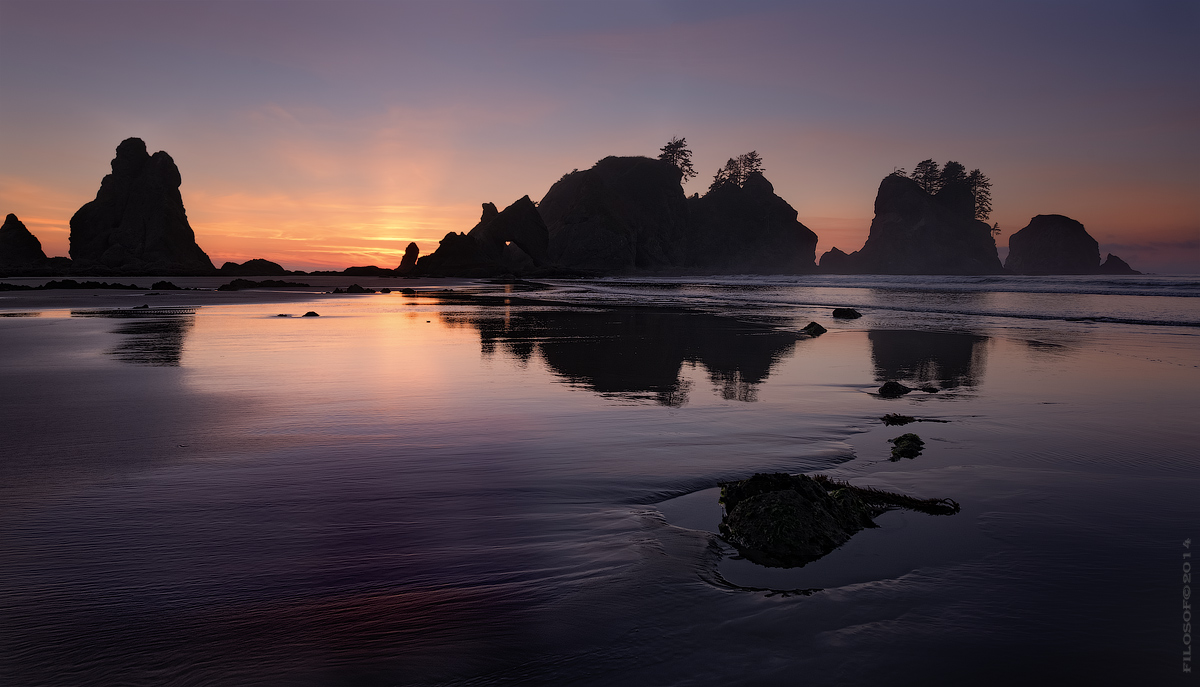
(327, 134)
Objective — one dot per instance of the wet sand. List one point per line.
(424, 490)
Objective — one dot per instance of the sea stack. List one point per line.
(137, 223)
(18, 247)
(915, 232)
(409, 261)
(512, 241)
(1052, 244)
(1055, 244)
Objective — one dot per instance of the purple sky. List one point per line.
(324, 134)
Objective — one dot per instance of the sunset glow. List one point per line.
(323, 135)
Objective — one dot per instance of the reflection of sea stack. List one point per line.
(915, 232)
(18, 247)
(1055, 244)
(137, 222)
(924, 358)
(640, 352)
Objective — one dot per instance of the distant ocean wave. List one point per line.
(1147, 300)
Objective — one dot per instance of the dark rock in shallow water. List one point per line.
(256, 267)
(906, 446)
(164, 286)
(893, 390)
(846, 313)
(310, 313)
(917, 233)
(892, 419)
(18, 247)
(1052, 244)
(355, 288)
(1114, 265)
(137, 222)
(782, 520)
(814, 329)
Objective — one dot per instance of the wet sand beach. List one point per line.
(517, 483)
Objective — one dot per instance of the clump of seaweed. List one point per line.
(892, 419)
(782, 520)
(906, 446)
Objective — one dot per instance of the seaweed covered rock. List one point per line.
(906, 446)
(782, 520)
(893, 390)
(792, 520)
(846, 313)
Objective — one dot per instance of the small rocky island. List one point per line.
(929, 223)
(786, 521)
(1056, 244)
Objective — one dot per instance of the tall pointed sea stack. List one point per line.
(137, 223)
(18, 247)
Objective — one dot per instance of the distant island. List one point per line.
(623, 216)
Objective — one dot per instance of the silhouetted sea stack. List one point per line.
(18, 247)
(915, 232)
(630, 214)
(137, 223)
(748, 229)
(1056, 244)
(514, 241)
(256, 267)
(1052, 244)
(625, 214)
(409, 261)
(1114, 265)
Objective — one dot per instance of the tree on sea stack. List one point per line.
(952, 173)
(928, 175)
(737, 170)
(676, 152)
(981, 190)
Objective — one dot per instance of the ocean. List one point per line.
(516, 483)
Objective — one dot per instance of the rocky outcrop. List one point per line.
(18, 247)
(514, 241)
(748, 229)
(1052, 244)
(630, 214)
(256, 267)
(915, 232)
(625, 214)
(516, 237)
(781, 520)
(137, 223)
(409, 261)
(1114, 265)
